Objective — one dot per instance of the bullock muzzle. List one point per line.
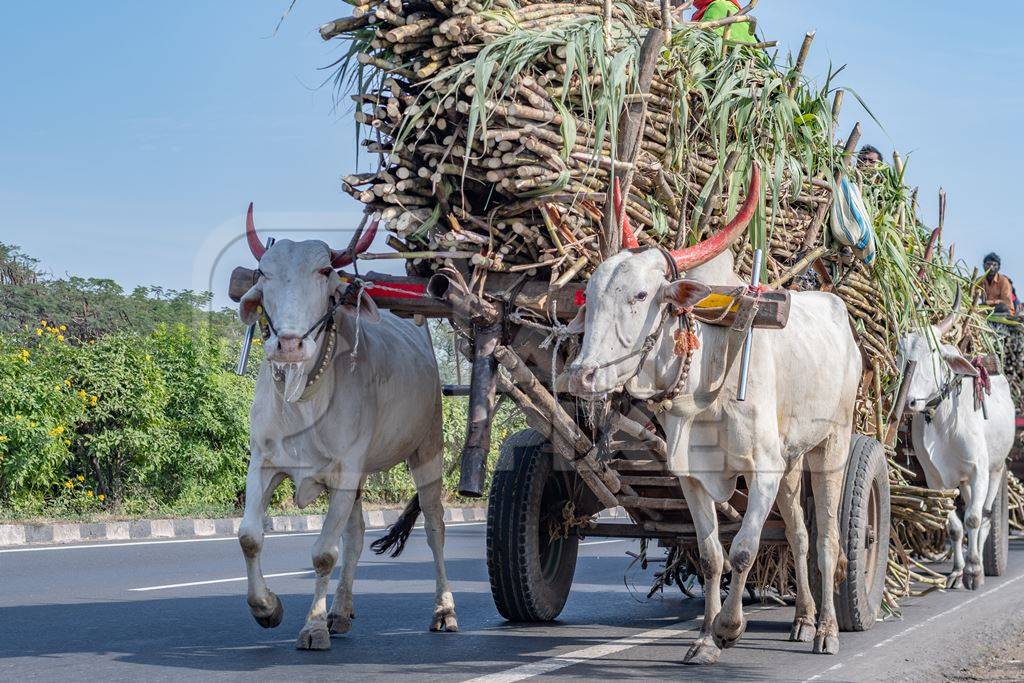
(290, 348)
(592, 381)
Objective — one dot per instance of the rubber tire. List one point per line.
(857, 609)
(997, 545)
(522, 590)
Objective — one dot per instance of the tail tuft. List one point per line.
(394, 540)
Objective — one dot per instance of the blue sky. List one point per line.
(133, 134)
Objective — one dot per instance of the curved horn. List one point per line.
(702, 252)
(340, 259)
(947, 323)
(255, 246)
(629, 240)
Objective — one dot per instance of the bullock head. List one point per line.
(627, 298)
(937, 363)
(297, 286)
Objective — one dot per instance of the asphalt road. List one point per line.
(158, 610)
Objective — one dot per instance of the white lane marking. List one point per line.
(120, 544)
(921, 624)
(546, 666)
(212, 581)
(614, 540)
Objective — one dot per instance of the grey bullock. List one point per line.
(956, 444)
(799, 411)
(326, 417)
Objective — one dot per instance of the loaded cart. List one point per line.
(520, 144)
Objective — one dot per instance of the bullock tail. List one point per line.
(394, 540)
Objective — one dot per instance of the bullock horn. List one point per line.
(702, 252)
(947, 323)
(255, 246)
(629, 240)
(340, 259)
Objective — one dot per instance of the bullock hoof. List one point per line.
(725, 634)
(826, 640)
(444, 620)
(973, 579)
(270, 617)
(340, 623)
(803, 630)
(954, 580)
(702, 652)
(313, 638)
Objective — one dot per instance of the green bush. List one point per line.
(152, 423)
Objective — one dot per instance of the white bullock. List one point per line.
(803, 383)
(327, 418)
(954, 442)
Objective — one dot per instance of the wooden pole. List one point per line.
(482, 392)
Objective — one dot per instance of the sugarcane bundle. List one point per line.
(1016, 502)
(1012, 338)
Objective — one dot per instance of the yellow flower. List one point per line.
(149, 357)
(57, 431)
(81, 478)
(32, 424)
(25, 353)
(68, 484)
(67, 383)
(60, 337)
(63, 328)
(92, 401)
(89, 493)
(56, 387)
(38, 332)
(101, 497)
(67, 442)
(3, 437)
(43, 323)
(81, 393)
(18, 418)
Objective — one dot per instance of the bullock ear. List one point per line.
(249, 304)
(368, 310)
(957, 363)
(684, 293)
(577, 324)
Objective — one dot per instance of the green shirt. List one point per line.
(720, 9)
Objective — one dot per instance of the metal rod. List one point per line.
(755, 280)
(250, 332)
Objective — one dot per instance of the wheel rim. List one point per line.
(551, 550)
(871, 541)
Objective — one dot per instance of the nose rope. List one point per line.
(318, 327)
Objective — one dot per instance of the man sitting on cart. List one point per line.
(710, 10)
(999, 292)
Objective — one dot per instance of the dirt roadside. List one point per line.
(1002, 663)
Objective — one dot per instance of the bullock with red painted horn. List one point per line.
(327, 417)
(642, 338)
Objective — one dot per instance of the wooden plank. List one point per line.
(643, 502)
(666, 481)
(623, 531)
(627, 465)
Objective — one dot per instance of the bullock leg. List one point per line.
(827, 465)
(796, 534)
(314, 634)
(260, 484)
(427, 467)
(994, 480)
(974, 494)
(712, 558)
(339, 619)
(729, 625)
(956, 537)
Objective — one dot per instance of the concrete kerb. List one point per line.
(146, 529)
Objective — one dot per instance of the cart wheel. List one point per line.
(530, 573)
(997, 544)
(863, 535)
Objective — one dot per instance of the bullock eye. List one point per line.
(326, 272)
(641, 296)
